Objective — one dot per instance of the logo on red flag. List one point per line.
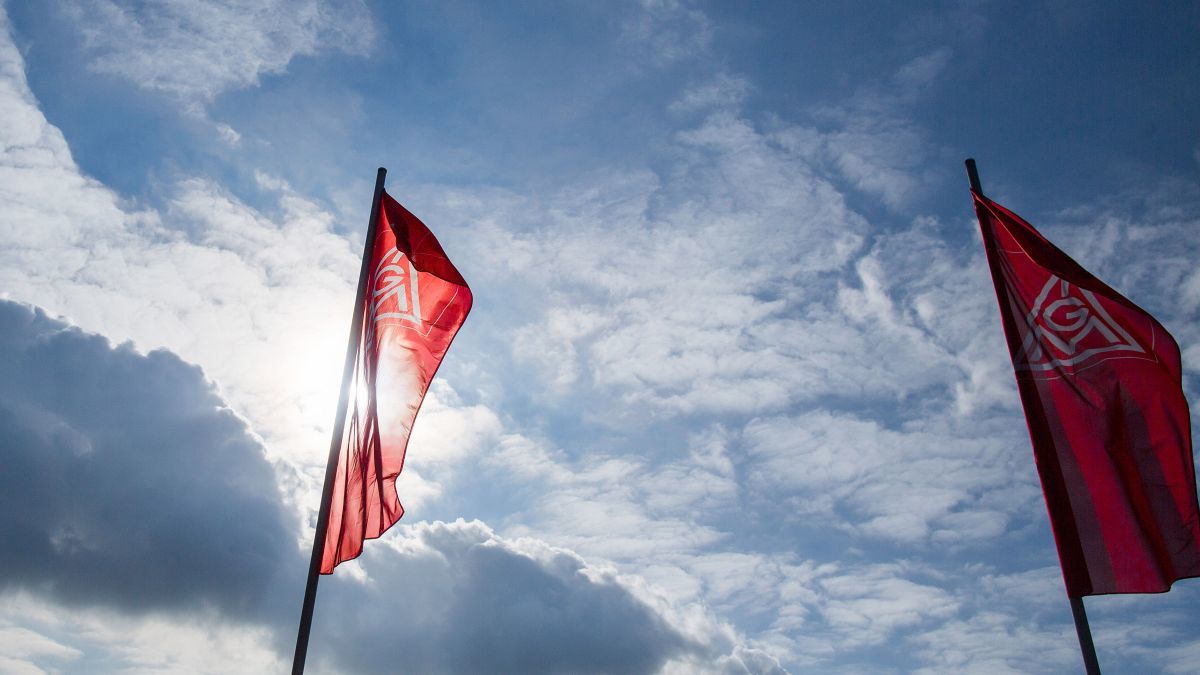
(395, 292)
(1069, 328)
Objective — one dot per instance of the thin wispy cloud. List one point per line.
(195, 50)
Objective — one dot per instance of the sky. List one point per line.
(733, 397)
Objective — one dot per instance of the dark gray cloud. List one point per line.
(125, 481)
(460, 599)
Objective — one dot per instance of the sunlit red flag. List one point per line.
(414, 304)
(1100, 381)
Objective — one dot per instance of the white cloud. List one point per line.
(872, 142)
(229, 135)
(98, 639)
(902, 485)
(669, 30)
(683, 291)
(995, 642)
(447, 429)
(1182, 658)
(722, 92)
(19, 644)
(920, 72)
(865, 606)
(197, 49)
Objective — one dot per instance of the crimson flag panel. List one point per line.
(414, 305)
(1100, 382)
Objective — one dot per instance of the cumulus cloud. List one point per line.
(128, 481)
(470, 601)
(197, 49)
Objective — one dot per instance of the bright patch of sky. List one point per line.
(733, 397)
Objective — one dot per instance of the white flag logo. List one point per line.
(1069, 327)
(395, 290)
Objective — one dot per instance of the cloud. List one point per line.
(921, 71)
(128, 483)
(872, 142)
(669, 31)
(817, 614)
(684, 290)
(614, 507)
(197, 49)
(906, 486)
(722, 91)
(20, 645)
(99, 639)
(999, 642)
(865, 606)
(467, 600)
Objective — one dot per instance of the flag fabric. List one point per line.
(1100, 382)
(414, 304)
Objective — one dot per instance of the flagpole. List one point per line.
(335, 443)
(1034, 417)
(1084, 631)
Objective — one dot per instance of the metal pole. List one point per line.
(1050, 474)
(1090, 662)
(973, 176)
(335, 443)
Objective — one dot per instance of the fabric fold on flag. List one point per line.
(1101, 385)
(414, 304)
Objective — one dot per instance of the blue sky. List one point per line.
(733, 396)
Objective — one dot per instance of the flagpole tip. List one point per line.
(973, 175)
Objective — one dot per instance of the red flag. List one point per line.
(414, 304)
(1100, 381)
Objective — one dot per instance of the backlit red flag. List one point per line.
(414, 304)
(1100, 382)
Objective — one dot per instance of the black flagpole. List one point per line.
(1084, 631)
(1090, 662)
(335, 443)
